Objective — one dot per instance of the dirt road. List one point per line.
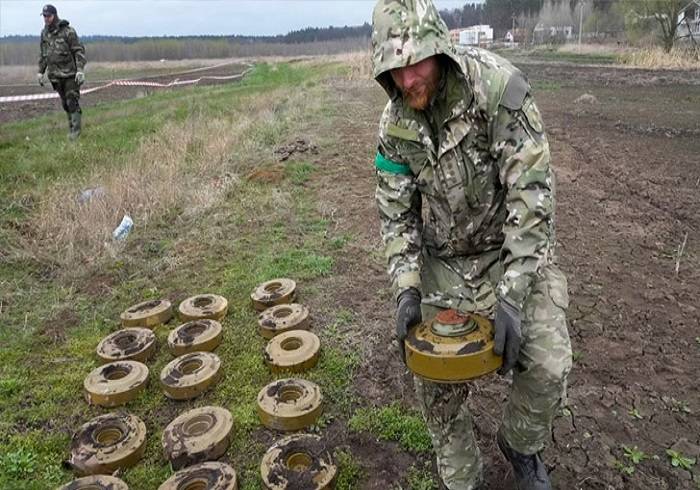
(628, 167)
(16, 111)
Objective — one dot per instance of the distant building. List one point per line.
(553, 34)
(472, 36)
(689, 20)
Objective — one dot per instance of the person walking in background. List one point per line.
(465, 193)
(62, 60)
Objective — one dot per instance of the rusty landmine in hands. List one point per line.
(148, 314)
(203, 307)
(274, 292)
(282, 318)
(190, 375)
(452, 348)
(298, 462)
(116, 383)
(95, 482)
(197, 335)
(296, 351)
(199, 435)
(107, 443)
(289, 404)
(203, 476)
(128, 344)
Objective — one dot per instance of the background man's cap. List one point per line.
(49, 10)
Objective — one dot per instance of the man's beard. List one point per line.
(419, 97)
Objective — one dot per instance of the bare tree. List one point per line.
(665, 13)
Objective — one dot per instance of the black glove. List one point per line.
(508, 335)
(407, 315)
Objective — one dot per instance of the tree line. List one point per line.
(23, 50)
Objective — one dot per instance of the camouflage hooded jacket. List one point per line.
(478, 157)
(61, 54)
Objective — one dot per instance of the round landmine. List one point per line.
(202, 434)
(275, 292)
(298, 462)
(296, 351)
(202, 307)
(282, 318)
(108, 443)
(190, 375)
(95, 482)
(289, 404)
(148, 314)
(195, 336)
(203, 476)
(452, 348)
(116, 383)
(128, 344)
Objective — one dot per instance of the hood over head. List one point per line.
(405, 32)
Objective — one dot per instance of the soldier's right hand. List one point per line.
(407, 315)
(40, 78)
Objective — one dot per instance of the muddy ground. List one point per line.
(628, 168)
(15, 111)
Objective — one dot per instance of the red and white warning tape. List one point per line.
(128, 83)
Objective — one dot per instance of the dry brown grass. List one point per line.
(188, 166)
(360, 64)
(657, 58)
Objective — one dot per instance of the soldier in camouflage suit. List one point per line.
(62, 60)
(466, 199)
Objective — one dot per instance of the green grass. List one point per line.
(420, 479)
(349, 471)
(552, 54)
(299, 172)
(256, 233)
(394, 423)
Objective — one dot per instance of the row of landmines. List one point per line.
(195, 439)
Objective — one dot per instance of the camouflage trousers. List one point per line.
(539, 379)
(69, 92)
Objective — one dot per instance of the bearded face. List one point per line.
(418, 82)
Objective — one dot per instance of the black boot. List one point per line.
(74, 125)
(530, 473)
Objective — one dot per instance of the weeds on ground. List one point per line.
(634, 413)
(634, 454)
(679, 460)
(420, 479)
(394, 423)
(623, 468)
(299, 172)
(349, 471)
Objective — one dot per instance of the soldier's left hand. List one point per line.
(79, 78)
(508, 334)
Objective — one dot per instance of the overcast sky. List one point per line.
(186, 17)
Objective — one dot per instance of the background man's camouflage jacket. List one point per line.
(62, 54)
(478, 156)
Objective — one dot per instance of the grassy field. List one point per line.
(179, 163)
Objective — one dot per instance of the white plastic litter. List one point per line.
(124, 228)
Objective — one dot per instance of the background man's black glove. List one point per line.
(407, 315)
(508, 335)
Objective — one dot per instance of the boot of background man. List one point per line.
(74, 118)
